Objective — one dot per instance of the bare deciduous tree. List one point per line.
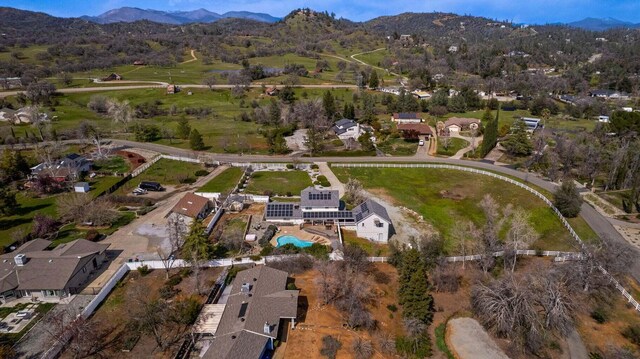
(353, 192)
(363, 349)
(176, 232)
(120, 112)
(520, 236)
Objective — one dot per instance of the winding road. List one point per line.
(600, 224)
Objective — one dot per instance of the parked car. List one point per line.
(421, 143)
(139, 191)
(23, 314)
(151, 186)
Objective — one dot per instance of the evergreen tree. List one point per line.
(8, 202)
(414, 294)
(366, 142)
(373, 80)
(287, 95)
(567, 199)
(329, 104)
(518, 143)
(490, 132)
(184, 129)
(349, 111)
(274, 113)
(280, 145)
(195, 140)
(368, 108)
(314, 141)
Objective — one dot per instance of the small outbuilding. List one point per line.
(81, 187)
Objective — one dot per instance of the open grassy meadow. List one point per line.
(224, 182)
(455, 145)
(446, 198)
(167, 172)
(278, 182)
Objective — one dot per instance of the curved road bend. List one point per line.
(600, 224)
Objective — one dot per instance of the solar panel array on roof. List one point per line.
(280, 210)
(320, 196)
(406, 116)
(327, 215)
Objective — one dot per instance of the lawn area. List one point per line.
(372, 249)
(455, 145)
(100, 184)
(278, 182)
(23, 219)
(112, 164)
(70, 233)
(399, 147)
(167, 172)
(445, 198)
(224, 182)
(616, 198)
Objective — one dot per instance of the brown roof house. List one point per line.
(34, 271)
(192, 207)
(272, 91)
(255, 315)
(421, 128)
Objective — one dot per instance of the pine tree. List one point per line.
(329, 104)
(490, 132)
(373, 80)
(8, 202)
(184, 129)
(195, 140)
(518, 143)
(567, 199)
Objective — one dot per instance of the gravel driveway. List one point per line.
(468, 339)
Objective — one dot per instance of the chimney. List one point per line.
(267, 328)
(21, 260)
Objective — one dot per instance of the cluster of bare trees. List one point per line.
(82, 208)
(345, 284)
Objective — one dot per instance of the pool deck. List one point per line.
(300, 234)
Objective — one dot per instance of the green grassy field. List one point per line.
(455, 145)
(224, 182)
(372, 249)
(422, 190)
(278, 182)
(398, 147)
(166, 172)
(23, 219)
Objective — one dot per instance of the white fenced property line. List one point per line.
(145, 166)
(181, 158)
(565, 223)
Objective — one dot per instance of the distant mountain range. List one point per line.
(131, 14)
(602, 24)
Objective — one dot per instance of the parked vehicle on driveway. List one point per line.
(421, 143)
(151, 186)
(139, 191)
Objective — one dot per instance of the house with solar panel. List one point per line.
(323, 207)
(406, 117)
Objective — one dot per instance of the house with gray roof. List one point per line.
(33, 270)
(258, 311)
(347, 128)
(320, 207)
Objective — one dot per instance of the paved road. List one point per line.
(600, 224)
(156, 85)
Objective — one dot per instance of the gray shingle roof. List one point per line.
(343, 125)
(369, 207)
(46, 269)
(246, 312)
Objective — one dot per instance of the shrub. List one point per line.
(185, 272)
(173, 280)
(330, 346)
(92, 235)
(267, 250)
(567, 199)
(632, 333)
(315, 166)
(392, 307)
(144, 270)
(289, 166)
(201, 173)
(167, 292)
(255, 258)
(291, 286)
(600, 315)
(268, 234)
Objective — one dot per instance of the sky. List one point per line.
(522, 11)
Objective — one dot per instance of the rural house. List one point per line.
(258, 311)
(192, 207)
(34, 271)
(272, 91)
(609, 94)
(68, 168)
(369, 219)
(346, 129)
(112, 77)
(456, 124)
(406, 117)
(419, 129)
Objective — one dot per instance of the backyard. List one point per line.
(445, 198)
(166, 172)
(224, 182)
(282, 183)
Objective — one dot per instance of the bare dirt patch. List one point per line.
(469, 340)
(320, 320)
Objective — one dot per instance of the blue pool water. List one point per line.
(287, 239)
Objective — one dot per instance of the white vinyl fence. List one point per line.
(566, 224)
(145, 166)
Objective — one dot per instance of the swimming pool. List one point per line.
(288, 239)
